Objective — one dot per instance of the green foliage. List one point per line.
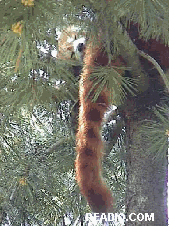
(37, 176)
(20, 55)
(157, 132)
(114, 81)
(20, 52)
(37, 143)
(144, 12)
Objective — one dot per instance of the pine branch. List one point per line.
(18, 60)
(157, 66)
(129, 52)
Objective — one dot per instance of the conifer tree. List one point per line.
(39, 96)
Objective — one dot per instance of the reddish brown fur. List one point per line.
(89, 142)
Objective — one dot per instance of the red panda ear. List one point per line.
(70, 48)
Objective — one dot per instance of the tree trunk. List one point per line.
(146, 178)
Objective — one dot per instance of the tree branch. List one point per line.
(157, 66)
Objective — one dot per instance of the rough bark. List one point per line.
(146, 183)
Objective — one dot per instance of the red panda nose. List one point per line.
(80, 47)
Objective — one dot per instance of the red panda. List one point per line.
(89, 145)
(68, 42)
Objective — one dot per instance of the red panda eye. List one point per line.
(72, 54)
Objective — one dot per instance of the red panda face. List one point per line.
(79, 48)
(71, 45)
